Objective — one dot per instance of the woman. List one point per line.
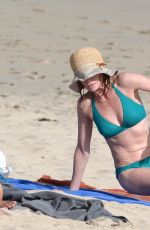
(112, 101)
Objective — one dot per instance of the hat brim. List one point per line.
(82, 76)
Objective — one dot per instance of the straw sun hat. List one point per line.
(86, 63)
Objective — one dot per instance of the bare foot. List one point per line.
(5, 204)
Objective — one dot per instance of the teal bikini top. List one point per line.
(133, 113)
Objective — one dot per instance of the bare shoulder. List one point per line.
(124, 79)
(84, 104)
(133, 81)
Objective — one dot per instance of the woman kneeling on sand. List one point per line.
(112, 101)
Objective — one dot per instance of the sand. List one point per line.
(36, 40)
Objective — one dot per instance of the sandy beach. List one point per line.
(36, 40)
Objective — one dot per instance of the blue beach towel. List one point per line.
(30, 185)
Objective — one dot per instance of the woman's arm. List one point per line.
(82, 150)
(134, 81)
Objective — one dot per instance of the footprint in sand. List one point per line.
(31, 77)
(60, 91)
(141, 51)
(64, 50)
(82, 17)
(42, 77)
(3, 95)
(66, 81)
(13, 71)
(81, 38)
(123, 50)
(34, 72)
(127, 57)
(103, 22)
(16, 106)
(144, 31)
(38, 10)
(64, 74)
(110, 43)
(126, 28)
(47, 119)
(67, 37)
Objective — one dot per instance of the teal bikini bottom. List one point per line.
(145, 163)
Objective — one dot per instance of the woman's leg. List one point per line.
(136, 180)
(5, 204)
